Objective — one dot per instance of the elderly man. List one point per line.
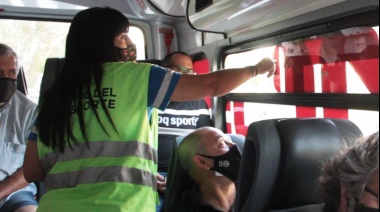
(212, 161)
(16, 117)
(350, 180)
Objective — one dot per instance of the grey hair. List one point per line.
(7, 50)
(353, 167)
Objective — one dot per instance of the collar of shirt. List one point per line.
(5, 106)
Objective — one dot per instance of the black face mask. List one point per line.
(362, 208)
(227, 164)
(7, 89)
(128, 54)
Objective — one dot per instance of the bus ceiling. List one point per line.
(220, 16)
(66, 9)
(239, 16)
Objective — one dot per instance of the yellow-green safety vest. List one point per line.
(118, 171)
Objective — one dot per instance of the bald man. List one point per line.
(212, 160)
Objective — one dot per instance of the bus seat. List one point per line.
(178, 180)
(52, 68)
(21, 81)
(281, 161)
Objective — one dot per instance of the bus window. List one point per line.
(202, 66)
(342, 62)
(35, 41)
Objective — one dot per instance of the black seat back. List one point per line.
(281, 161)
(178, 181)
(53, 67)
(21, 81)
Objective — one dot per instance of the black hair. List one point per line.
(89, 44)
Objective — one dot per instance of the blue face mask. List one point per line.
(227, 164)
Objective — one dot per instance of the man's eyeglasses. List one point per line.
(183, 69)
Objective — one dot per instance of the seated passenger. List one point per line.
(16, 117)
(350, 180)
(179, 118)
(212, 161)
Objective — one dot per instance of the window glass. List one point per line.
(35, 41)
(341, 62)
(346, 61)
(367, 121)
(257, 84)
(137, 36)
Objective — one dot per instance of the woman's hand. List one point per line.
(266, 65)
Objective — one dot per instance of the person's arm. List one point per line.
(218, 83)
(33, 171)
(14, 182)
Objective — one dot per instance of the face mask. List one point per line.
(227, 164)
(127, 54)
(362, 208)
(7, 89)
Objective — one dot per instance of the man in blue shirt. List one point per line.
(17, 113)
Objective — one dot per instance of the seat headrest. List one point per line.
(53, 67)
(21, 81)
(281, 162)
(305, 144)
(238, 140)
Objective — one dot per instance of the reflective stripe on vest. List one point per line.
(100, 174)
(115, 173)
